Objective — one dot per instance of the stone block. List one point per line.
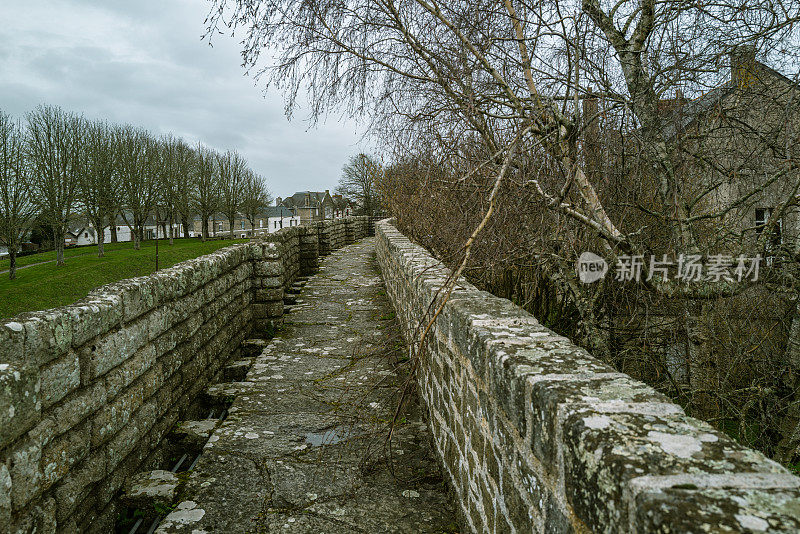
(133, 434)
(59, 378)
(26, 471)
(78, 406)
(94, 315)
(129, 370)
(554, 396)
(20, 407)
(718, 509)
(77, 484)
(62, 453)
(262, 294)
(604, 452)
(12, 342)
(139, 295)
(151, 489)
(194, 434)
(5, 495)
(48, 335)
(117, 413)
(38, 518)
(113, 348)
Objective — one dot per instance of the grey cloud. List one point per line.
(144, 63)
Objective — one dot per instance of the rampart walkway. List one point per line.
(303, 448)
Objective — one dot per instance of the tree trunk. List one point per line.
(101, 237)
(137, 237)
(789, 446)
(60, 251)
(12, 258)
(702, 367)
(113, 224)
(185, 223)
(171, 228)
(204, 230)
(231, 221)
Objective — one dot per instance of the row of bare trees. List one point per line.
(623, 127)
(58, 167)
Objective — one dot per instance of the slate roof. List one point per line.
(678, 117)
(299, 199)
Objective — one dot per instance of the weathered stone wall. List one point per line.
(89, 391)
(536, 434)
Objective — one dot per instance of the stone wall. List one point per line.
(536, 434)
(89, 391)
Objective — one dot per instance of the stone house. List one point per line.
(733, 149)
(738, 141)
(310, 205)
(270, 219)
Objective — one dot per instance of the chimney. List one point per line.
(591, 126)
(277, 201)
(743, 65)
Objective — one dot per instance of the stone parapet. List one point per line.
(89, 391)
(537, 435)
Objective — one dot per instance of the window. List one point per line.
(261, 223)
(86, 235)
(242, 225)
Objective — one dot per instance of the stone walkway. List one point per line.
(304, 446)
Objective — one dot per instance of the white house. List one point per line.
(78, 236)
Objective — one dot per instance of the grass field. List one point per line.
(46, 286)
(68, 253)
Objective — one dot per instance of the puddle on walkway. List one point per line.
(330, 436)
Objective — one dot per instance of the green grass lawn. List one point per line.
(68, 253)
(46, 286)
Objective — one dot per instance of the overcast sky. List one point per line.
(143, 62)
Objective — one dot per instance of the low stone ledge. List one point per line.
(151, 489)
(192, 435)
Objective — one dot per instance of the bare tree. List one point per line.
(138, 164)
(207, 186)
(17, 208)
(461, 85)
(170, 181)
(255, 197)
(53, 149)
(232, 168)
(358, 179)
(185, 159)
(99, 184)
